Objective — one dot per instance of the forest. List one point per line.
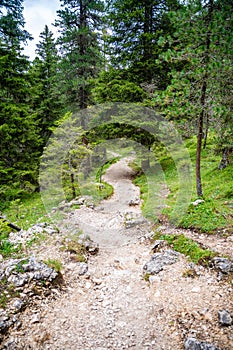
(171, 57)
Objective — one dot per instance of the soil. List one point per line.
(113, 306)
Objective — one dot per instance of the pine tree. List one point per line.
(47, 101)
(203, 45)
(79, 23)
(136, 26)
(18, 136)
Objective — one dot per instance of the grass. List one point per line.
(215, 214)
(26, 211)
(8, 249)
(188, 247)
(77, 250)
(53, 263)
(7, 292)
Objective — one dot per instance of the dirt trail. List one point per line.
(113, 307)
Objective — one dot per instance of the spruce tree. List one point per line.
(136, 27)
(79, 22)
(47, 100)
(197, 92)
(18, 135)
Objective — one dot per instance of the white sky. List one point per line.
(38, 13)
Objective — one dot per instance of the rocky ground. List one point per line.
(111, 301)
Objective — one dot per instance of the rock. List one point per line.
(159, 260)
(4, 324)
(194, 344)
(225, 318)
(90, 246)
(223, 264)
(40, 270)
(196, 290)
(35, 318)
(18, 280)
(83, 268)
(18, 304)
(197, 202)
(158, 245)
(135, 201)
(131, 219)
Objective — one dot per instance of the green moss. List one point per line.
(188, 247)
(53, 263)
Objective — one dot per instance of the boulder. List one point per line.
(159, 260)
(225, 318)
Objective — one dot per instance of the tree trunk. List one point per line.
(224, 161)
(203, 104)
(198, 151)
(206, 132)
(83, 95)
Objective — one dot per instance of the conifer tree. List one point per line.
(79, 22)
(18, 136)
(47, 100)
(203, 44)
(136, 27)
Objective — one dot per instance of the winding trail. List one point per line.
(113, 307)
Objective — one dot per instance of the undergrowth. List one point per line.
(214, 214)
(188, 247)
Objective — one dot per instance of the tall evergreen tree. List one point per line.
(202, 40)
(47, 100)
(18, 135)
(136, 26)
(79, 22)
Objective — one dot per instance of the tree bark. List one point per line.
(203, 104)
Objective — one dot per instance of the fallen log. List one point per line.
(10, 224)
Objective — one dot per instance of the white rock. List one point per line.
(196, 290)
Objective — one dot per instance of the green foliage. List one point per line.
(27, 211)
(19, 138)
(46, 99)
(8, 249)
(111, 87)
(188, 247)
(53, 263)
(215, 213)
(4, 229)
(136, 26)
(79, 26)
(77, 250)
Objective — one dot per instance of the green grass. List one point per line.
(55, 264)
(215, 214)
(188, 247)
(8, 249)
(26, 211)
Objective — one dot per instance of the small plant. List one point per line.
(3, 300)
(189, 273)
(8, 249)
(4, 229)
(188, 247)
(7, 291)
(19, 266)
(55, 264)
(146, 276)
(77, 250)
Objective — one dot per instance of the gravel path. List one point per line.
(113, 307)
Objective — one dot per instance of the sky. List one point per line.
(38, 13)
